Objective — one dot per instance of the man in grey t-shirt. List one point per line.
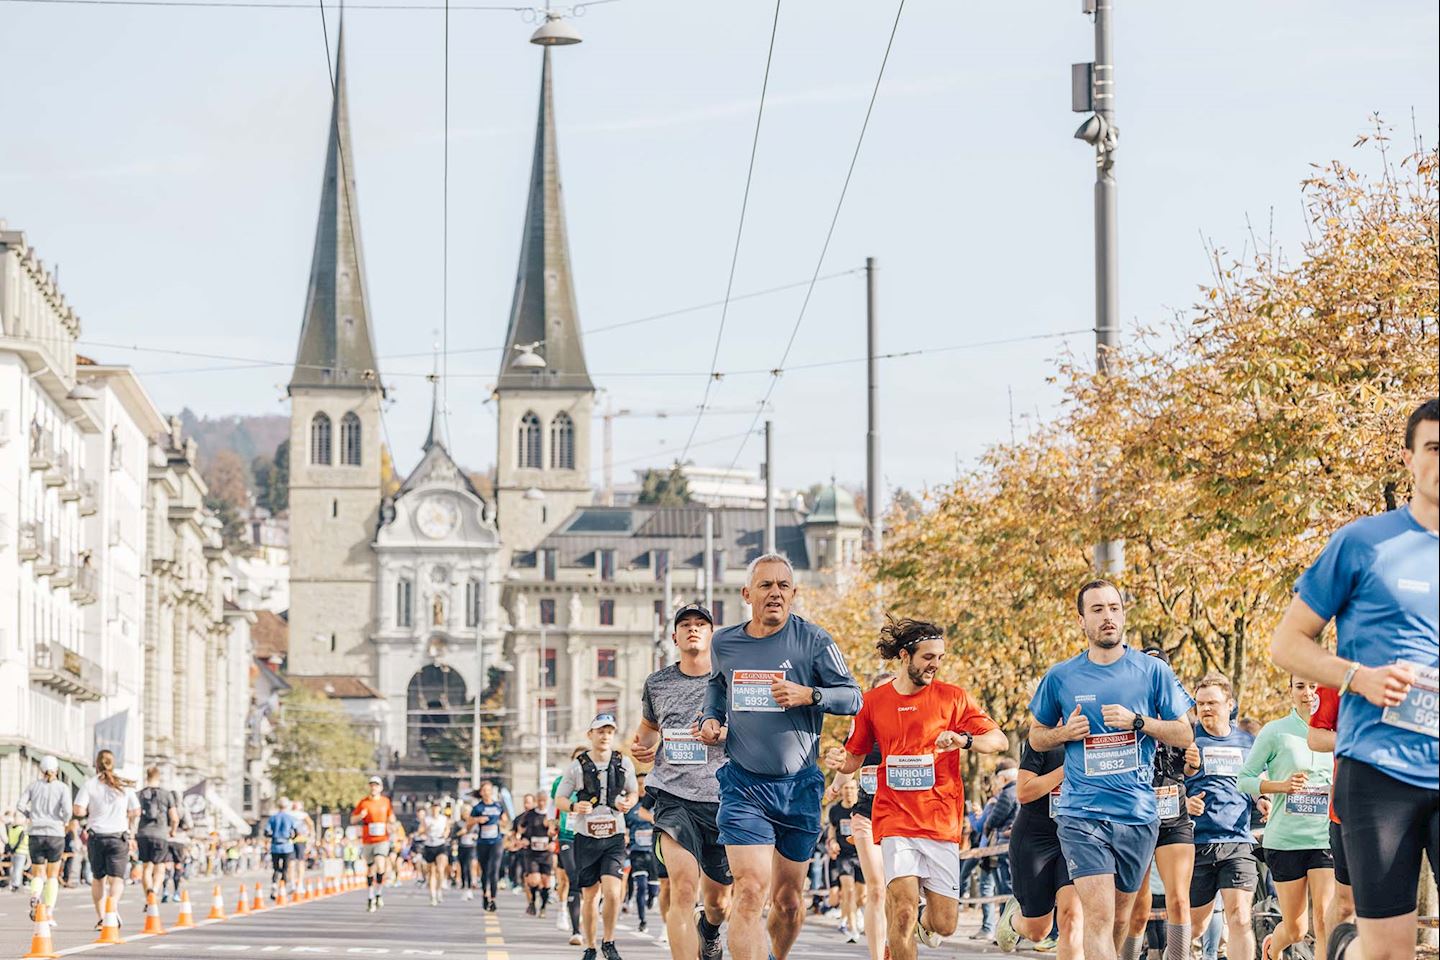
(681, 791)
(48, 804)
(159, 815)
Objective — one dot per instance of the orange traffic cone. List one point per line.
(280, 900)
(152, 916)
(242, 906)
(109, 924)
(257, 903)
(217, 905)
(41, 945)
(187, 912)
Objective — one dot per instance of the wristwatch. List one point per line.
(815, 696)
(969, 739)
(1138, 723)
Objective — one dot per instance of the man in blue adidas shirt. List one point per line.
(773, 679)
(1377, 579)
(1224, 846)
(1107, 706)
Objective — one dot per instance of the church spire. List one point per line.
(434, 437)
(543, 311)
(337, 347)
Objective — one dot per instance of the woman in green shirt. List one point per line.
(1297, 835)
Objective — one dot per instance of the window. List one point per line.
(404, 597)
(335, 507)
(607, 705)
(607, 613)
(472, 603)
(660, 610)
(528, 441)
(320, 439)
(607, 565)
(562, 442)
(548, 668)
(719, 612)
(547, 610)
(605, 665)
(662, 565)
(552, 717)
(549, 563)
(350, 440)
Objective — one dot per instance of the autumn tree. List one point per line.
(228, 493)
(318, 757)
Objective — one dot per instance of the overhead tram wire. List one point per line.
(297, 5)
(445, 247)
(829, 233)
(739, 232)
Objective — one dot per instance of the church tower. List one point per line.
(544, 394)
(335, 395)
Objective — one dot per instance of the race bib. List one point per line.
(1109, 753)
(1167, 801)
(645, 837)
(681, 748)
(1054, 799)
(1222, 761)
(869, 780)
(750, 691)
(540, 844)
(910, 772)
(373, 829)
(489, 831)
(1309, 802)
(601, 823)
(845, 830)
(1420, 710)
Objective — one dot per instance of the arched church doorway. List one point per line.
(438, 719)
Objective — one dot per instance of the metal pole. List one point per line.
(670, 653)
(873, 494)
(1109, 554)
(608, 496)
(769, 486)
(709, 559)
(544, 676)
(479, 722)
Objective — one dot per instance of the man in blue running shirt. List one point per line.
(1107, 706)
(1379, 579)
(773, 679)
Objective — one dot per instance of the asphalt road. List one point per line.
(408, 926)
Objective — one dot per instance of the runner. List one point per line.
(770, 790)
(1174, 854)
(682, 793)
(1044, 893)
(920, 725)
(281, 829)
(48, 806)
(1108, 706)
(845, 860)
(179, 865)
(304, 835)
(1321, 737)
(1224, 846)
(376, 819)
(159, 813)
(599, 831)
(533, 828)
(568, 891)
(1377, 579)
(434, 836)
(466, 834)
(490, 819)
(110, 808)
(1297, 835)
(641, 831)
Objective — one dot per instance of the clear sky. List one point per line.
(170, 162)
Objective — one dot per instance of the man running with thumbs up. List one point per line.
(1108, 706)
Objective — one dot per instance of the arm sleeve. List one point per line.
(717, 694)
(1031, 759)
(1043, 705)
(1257, 763)
(839, 693)
(862, 733)
(1326, 587)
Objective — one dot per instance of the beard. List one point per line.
(1107, 641)
(921, 677)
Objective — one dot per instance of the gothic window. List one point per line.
(529, 441)
(350, 440)
(562, 442)
(320, 439)
(404, 605)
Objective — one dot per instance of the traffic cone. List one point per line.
(280, 900)
(242, 906)
(258, 902)
(187, 912)
(152, 916)
(41, 945)
(217, 905)
(110, 924)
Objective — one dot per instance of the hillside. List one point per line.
(245, 435)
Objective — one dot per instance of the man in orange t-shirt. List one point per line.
(374, 814)
(920, 726)
(1321, 738)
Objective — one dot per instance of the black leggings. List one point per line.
(467, 867)
(1386, 824)
(489, 856)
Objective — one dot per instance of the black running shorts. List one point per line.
(692, 824)
(1037, 868)
(46, 849)
(153, 849)
(1288, 865)
(109, 855)
(435, 852)
(1222, 866)
(598, 858)
(1337, 851)
(1386, 824)
(537, 861)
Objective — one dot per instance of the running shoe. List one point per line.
(1047, 945)
(529, 909)
(711, 947)
(641, 926)
(379, 902)
(928, 937)
(34, 902)
(468, 895)
(1007, 936)
(607, 949)
(844, 929)
(542, 911)
(589, 954)
(370, 905)
(562, 922)
(575, 942)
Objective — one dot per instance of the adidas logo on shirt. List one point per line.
(787, 665)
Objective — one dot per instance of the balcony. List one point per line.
(89, 499)
(42, 447)
(49, 559)
(63, 576)
(70, 491)
(29, 545)
(86, 587)
(67, 672)
(59, 470)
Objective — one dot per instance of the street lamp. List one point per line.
(556, 31)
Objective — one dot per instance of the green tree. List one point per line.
(665, 488)
(276, 497)
(319, 757)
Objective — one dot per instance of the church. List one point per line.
(551, 607)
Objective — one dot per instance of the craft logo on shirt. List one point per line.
(906, 709)
(787, 665)
(1412, 586)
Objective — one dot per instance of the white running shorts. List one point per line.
(935, 862)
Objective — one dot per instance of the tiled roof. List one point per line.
(634, 532)
(337, 687)
(271, 635)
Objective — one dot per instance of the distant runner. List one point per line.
(376, 819)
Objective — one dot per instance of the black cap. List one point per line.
(693, 610)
